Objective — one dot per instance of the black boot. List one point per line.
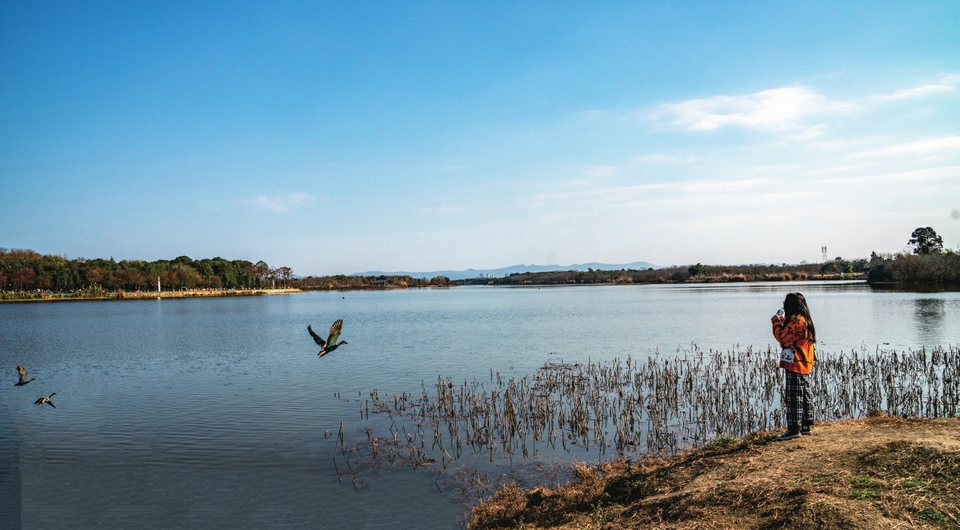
(789, 435)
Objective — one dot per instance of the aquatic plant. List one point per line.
(658, 406)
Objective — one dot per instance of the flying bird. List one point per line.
(46, 400)
(327, 346)
(22, 372)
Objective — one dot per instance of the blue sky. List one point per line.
(348, 136)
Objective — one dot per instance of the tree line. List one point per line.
(837, 269)
(928, 263)
(342, 282)
(26, 270)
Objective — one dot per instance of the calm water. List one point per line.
(212, 412)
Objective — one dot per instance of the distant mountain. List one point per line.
(506, 271)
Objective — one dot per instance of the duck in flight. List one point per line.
(22, 372)
(45, 400)
(327, 346)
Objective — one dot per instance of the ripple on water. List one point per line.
(211, 413)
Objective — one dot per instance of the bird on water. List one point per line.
(22, 372)
(327, 346)
(45, 400)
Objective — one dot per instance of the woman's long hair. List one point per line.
(796, 304)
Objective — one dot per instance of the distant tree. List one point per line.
(204, 267)
(285, 274)
(250, 275)
(169, 279)
(263, 271)
(926, 241)
(214, 282)
(697, 269)
(22, 277)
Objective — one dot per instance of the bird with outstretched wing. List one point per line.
(22, 372)
(45, 400)
(327, 346)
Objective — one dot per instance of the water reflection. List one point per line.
(929, 314)
(9, 471)
(915, 288)
(157, 398)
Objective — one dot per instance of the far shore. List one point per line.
(33, 296)
(146, 295)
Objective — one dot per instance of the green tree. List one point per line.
(697, 269)
(926, 241)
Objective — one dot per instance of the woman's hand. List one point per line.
(779, 316)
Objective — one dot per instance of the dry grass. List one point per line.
(879, 472)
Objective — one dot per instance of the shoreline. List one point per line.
(875, 472)
(152, 295)
(203, 293)
(593, 278)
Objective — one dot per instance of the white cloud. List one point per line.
(281, 202)
(910, 93)
(435, 207)
(776, 109)
(662, 159)
(928, 146)
(704, 199)
(603, 171)
(763, 170)
(950, 79)
(780, 109)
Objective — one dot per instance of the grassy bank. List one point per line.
(875, 473)
(135, 295)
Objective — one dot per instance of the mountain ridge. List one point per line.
(506, 271)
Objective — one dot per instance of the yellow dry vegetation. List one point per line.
(879, 472)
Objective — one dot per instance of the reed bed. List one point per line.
(658, 406)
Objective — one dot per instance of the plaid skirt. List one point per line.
(798, 402)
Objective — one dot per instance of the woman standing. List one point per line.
(793, 329)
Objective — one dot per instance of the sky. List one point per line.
(339, 137)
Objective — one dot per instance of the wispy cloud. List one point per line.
(950, 79)
(602, 171)
(911, 93)
(776, 109)
(662, 159)
(281, 202)
(781, 109)
(927, 146)
(435, 207)
(752, 193)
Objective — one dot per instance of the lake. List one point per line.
(217, 413)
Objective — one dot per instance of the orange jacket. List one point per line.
(793, 335)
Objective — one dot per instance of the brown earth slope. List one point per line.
(874, 473)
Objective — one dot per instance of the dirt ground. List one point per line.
(874, 473)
